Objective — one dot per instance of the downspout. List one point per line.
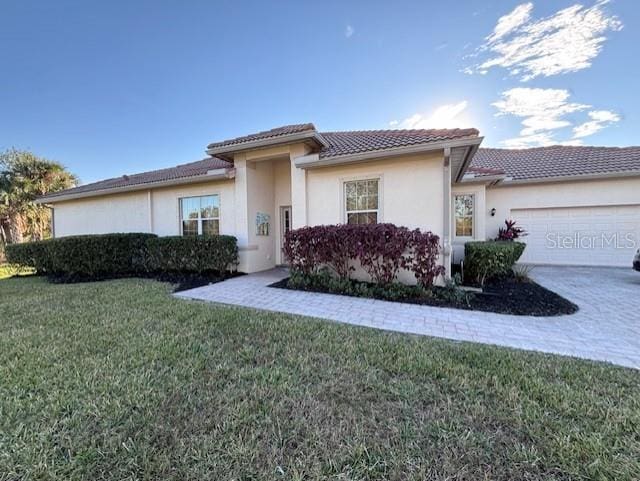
(446, 227)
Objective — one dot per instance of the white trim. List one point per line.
(474, 223)
(216, 174)
(343, 199)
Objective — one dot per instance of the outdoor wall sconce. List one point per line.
(493, 212)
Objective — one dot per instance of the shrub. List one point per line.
(381, 249)
(121, 255)
(192, 254)
(485, 260)
(90, 256)
(423, 262)
(510, 231)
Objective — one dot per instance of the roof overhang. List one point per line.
(484, 179)
(215, 174)
(467, 147)
(308, 136)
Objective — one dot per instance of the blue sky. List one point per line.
(118, 87)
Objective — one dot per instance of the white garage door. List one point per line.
(600, 236)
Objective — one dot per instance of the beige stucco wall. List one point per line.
(410, 191)
(156, 211)
(282, 197)
(166, 206)
(103, 215)
(558, 194)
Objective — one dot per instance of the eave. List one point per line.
(309, 136)
(215, 174)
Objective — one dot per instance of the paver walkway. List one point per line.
(606, 328)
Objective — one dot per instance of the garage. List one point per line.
(594, 236)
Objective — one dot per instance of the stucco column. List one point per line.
(446, 222)
(241, 211)
(298, 189)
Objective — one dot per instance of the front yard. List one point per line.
(118, 380)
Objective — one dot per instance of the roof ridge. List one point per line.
(456, 129)
(558, 146)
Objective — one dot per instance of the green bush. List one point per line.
(484, 260)
(84, 256)
(122, 255)
(192, 254)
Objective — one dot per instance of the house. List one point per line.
(580, 205)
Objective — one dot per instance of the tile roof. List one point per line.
(558, 161)
(355, 142)
(339, 143)
(192, 169)
(266, 134)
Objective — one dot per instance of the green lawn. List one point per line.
(118, 380)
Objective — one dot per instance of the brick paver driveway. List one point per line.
(606, 328)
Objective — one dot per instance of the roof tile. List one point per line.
(266, 134)
(192, 169)
(558, 161)
(354, 142)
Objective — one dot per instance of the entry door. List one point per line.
(285, 226)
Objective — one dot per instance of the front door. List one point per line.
(285, 226)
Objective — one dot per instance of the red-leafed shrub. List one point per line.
(381, 249)
(423, 262)
(510, 231)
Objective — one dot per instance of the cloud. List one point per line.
(444, 117)
(349, 31)
(545, 112)
(508, 23)
(566, 41)
(599, 120)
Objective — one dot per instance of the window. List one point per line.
(361, 201)
(463, 210)
(200, 215)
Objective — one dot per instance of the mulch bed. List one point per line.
(181, 281)
(504, 296)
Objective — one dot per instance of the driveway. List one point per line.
(606, 328)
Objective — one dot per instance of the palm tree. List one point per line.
(23, 178)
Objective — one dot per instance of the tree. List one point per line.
(23, 178)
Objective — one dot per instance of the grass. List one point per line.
(9, 271)
(118, 380)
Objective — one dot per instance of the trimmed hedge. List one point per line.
(122, 255)
(192, 254)
(381, 249)
(484, 260)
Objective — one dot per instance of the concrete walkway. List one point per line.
(606, 328)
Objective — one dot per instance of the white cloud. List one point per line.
(444, 117)
(511, 21)
(564, 42)
(349, 31)
(599, 120)
(545, 112)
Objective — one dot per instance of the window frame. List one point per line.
(472, 216)
(343, 197)
(200, 218)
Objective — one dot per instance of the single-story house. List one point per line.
(580, 205)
